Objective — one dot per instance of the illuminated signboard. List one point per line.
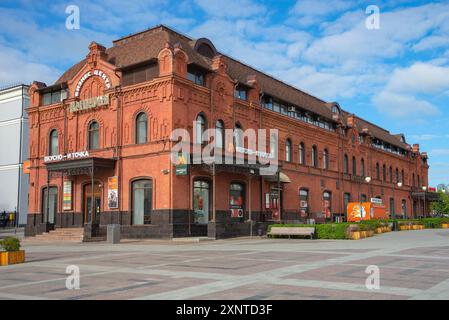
(68, 156)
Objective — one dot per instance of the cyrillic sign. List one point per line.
(68, 156)
(89, 103)
(89, 74)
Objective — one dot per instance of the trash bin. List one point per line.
(113, 234)
(395, 226)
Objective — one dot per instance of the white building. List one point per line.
(14, 150)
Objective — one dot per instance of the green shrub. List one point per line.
(10, 244)
(331, 231)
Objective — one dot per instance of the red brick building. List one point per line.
(100, 146)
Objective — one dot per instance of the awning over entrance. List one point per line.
(283, 178)
(81, 167)
(428, 196)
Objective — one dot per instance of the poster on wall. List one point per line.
(113, 193)
(67, 197)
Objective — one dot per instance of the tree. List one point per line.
(441, 206)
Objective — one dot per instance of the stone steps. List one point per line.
(60, 235)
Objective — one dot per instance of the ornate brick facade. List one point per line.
(149, 73)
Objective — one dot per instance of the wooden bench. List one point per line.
(292, 231)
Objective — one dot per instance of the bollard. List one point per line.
(113, 234)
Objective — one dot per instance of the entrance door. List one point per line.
(50, 204)
(201, 202)
(88, 198)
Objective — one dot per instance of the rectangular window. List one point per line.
(56, 97)
(240, 93)
(46, 98)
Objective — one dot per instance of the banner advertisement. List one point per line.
(113, 193)
(67, 197)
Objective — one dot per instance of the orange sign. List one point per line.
(26, 166)
(366, 210)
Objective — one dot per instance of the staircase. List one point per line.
(74, 235)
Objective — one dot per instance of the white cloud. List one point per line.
(17, 67)
(310, 12)
(425, 137)
(420, 78)
(431, 43)
(311, 80)
(399, 98)
(440, 152)
(403, 106)
(398, 29)
(231, 8)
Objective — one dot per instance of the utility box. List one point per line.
(113, 235)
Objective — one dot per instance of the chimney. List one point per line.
(416, 148)
(351, 120)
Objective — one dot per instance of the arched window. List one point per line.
(378, 171)
(94, 135)
(219, 134)
(327, 203)
(304, 201)
(302, 153)
(325, 159)
(404, 208)
(346, 200)
(346, 164)
(200, 127)
(288, 150)
(397, 175)
(391, 173)
(354, 166)
(402, 176)
(314, 156)
(141, 128)
(362, 167)
(142, 201)
(238, 135)
(384, 171)
(274, 145)
(53, 148)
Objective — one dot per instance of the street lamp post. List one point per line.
(400, 186)
(424, 188)
(367, 180)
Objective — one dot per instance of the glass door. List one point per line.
(50, 204)
(201, 202)
(88, 198)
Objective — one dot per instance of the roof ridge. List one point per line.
(273, 77)
(159, 26)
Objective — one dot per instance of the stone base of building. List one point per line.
(164, 224)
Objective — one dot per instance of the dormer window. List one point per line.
(195, 75)
(240, 93)
(335, 109)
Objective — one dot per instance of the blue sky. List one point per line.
(396, 77)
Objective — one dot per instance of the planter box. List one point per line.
(445, 225)
(14, 257)
(354, 235)
(380, 230)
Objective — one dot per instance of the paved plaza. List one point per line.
(413, 265)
